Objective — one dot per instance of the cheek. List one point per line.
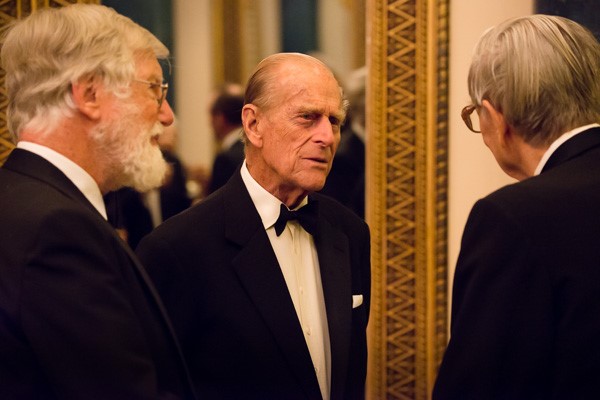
(486, 140)
(336, 143)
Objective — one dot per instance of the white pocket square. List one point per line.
(357, 300)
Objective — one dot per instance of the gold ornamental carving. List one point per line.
(407, 97)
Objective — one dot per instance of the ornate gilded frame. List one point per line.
(407, 90)
(11, 10)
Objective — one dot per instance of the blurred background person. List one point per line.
(226, 122)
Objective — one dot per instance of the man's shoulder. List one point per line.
(332, 209)
(32, 196)
(202, 216)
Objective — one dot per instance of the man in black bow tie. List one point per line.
(269, 306)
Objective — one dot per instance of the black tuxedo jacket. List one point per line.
(79, 318)
(526, 297)
(220, 280)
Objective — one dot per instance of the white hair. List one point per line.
(45, 53)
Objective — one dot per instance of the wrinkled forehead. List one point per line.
(308, 81)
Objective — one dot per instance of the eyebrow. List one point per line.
(339, 114)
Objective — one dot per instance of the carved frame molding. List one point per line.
(407, 98)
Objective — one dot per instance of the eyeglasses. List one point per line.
(160, 90)
(471, 122)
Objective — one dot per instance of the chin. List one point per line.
(314, 187)
(144, 169)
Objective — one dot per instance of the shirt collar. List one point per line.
(266, 204)
(558, 142)
(80, 178)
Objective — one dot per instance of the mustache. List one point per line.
(157, 130)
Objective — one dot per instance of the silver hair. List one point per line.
(542, 72)
(45, 53)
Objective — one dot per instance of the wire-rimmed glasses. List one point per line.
(160, 90)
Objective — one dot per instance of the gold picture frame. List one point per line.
(407, 174)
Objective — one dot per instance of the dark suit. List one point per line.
(231, 308)
(526, 299)
(225, 164)
(79, 317)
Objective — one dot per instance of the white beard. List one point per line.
(126, 148)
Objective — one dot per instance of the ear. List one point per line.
(498, 125)
(85, 94)
(250, 122)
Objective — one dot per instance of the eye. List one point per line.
(335, 121)
(308, 116)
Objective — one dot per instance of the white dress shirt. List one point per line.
(80, 178)
(297, 256)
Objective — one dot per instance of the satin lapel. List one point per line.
(334, 261)
(31, 164)
(573, 147)
(259, 272)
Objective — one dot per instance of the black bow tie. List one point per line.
(306, 216)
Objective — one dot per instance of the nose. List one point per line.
(165, 113)
(326, 132)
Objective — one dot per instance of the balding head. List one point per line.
(273, 72)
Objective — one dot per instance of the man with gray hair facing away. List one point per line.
(79, 318)
(526, 296)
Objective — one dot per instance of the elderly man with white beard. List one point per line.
(79, 317)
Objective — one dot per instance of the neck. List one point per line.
(528, 158)
(289, 195)
(76, 146)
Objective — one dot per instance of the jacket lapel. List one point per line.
(334, 260)
(259, 272)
